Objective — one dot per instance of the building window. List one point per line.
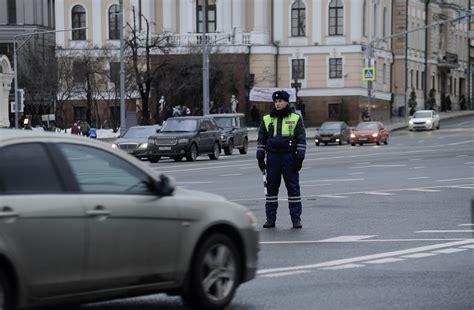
(114, 72)
(211, 19)
(114, 21)
(384, 72)
(433, 82)
(78, 21)
(422, 80)
(79, 73)
(417, 84)
(384, 21)
(335, 68)
(297, 69)
(336, 18)
(334, 110)
(11, 7)
(411, 78)
(364, 18)
(298, 19)
(374, 31)
(80, 113)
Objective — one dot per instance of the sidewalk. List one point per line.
(395, 123)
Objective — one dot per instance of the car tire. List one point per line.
(353, 144)
(386, 141)
(154, 159)
(325, 143)
(439, 123)
(378, 142)
(178, 158)
(217, 255)
(6, 301)
(340, 141)
(317, 144)
(230, 148)
(244, 149)
(361, 144)
(193, 153)
(216, 151)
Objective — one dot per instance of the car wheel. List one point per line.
(193, 153)
(378, 142)
(154, 159)
(230, 147)
(386, 141)
(325, 143)
(216, 151)
(214, 274)
(243, 150)
(178, 158)
(439, 123)
(340, 141)
(353, 144)
(361, 144)
(5, 293)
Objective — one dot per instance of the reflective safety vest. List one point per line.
(288, 124)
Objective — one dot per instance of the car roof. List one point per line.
(146, 126)
(227, 115)
(424, 111)
(333, 122)
(189, 117)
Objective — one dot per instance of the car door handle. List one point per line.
(98, 211)
(8, 212)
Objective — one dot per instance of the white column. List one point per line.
(318, 11)
(187, 16)
(5, 86)
(260, 32)
(148, 10)
(59, 13)
(224, 16)
(169, 15)
(97, 26)
(277, 18)
(357, 22)
(238, 15)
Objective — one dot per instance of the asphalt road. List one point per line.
(385, 227)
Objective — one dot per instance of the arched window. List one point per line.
(298, 19)
(78, 21)
(384, 21)
(336, 18)
(114, 21)
(364, 18)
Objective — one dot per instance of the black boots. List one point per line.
(269, 224)
(297, 224)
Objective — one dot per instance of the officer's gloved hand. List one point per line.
(261, 164)
(299, 164)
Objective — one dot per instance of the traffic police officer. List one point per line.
(282, 138)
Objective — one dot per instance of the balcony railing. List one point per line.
(192, 39)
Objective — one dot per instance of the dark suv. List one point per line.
(185, 137)
(234, 132)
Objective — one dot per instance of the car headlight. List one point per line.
(316, 140)
(183, 140)
(223, 137)
(353, 135)
(114, 146)
(375, 135)
(410, 122)
(143, 146)
(428, 121)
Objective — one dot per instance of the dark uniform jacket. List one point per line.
(268, 142)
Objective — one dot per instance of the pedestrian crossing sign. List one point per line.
(368, 74)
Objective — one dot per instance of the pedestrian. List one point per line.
(75, 130)
(85, 128)
(92, 133)
(282, 139)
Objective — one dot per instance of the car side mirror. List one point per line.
(165, 186)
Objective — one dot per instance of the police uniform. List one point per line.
(282, 138)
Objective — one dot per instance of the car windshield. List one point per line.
(224, 122)
(139, 132)
(422, 115)
(185, 125)
(367, 126)
(330, 126)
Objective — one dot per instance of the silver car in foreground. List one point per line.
(82, 222)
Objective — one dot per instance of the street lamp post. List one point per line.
(205, 62)
(15, 61)
(123, 125)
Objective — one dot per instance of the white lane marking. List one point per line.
(362, 240)
(461, 156)
(282, 274)
(347, 266)
(449, 180)
(378, 166)
(458, 143)
(421, 167)
(379, 193)
(355, 173)
(418, 178)
(197, 182)
(364, 163)
(419, 255)
(425, 190)
(385, 260)
(230, 175)
(344, 261)
(462, 225)
(331, 196)
(348, 238)
(449, 251)
(443, 231)
(468, 246)
(414, 159)
(469, 163)
(313, 185)
(333, 180)
(463, 187)
(242, 168)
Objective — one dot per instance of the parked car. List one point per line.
(369, 132)
(83, 222)
(234, 132)
(188, 137)
(135, 140)
(424, 119)
(333, 132)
